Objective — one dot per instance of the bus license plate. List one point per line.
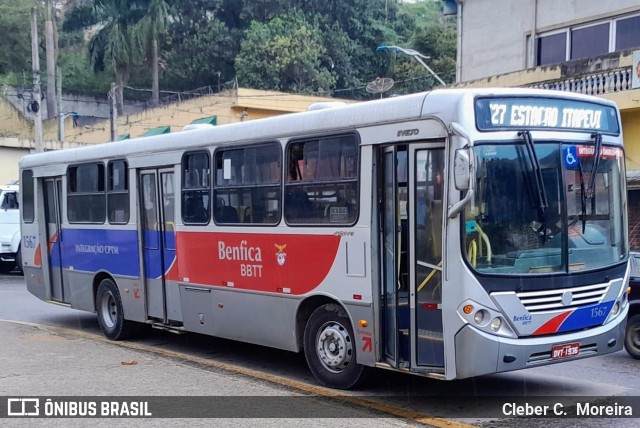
(565, 351)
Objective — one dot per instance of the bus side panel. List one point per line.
(86, 252)
(133, 298)
(92, 250)
(365, 343)
(33, 252)
(261, 319)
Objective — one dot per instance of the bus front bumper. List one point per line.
(479, 353)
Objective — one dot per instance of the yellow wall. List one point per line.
(9, 158)
(631, 134)
(228, 106)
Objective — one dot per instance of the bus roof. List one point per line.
(357, 115)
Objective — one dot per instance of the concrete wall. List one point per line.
(12, 149)
(493, 36)
(90, 106)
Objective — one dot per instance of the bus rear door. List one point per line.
(53, 218)
(158, 235)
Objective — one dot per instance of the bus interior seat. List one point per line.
(226, 214)
(244, 214)
(195, 210)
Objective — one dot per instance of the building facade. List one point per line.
(586, 46)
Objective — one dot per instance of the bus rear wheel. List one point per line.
(632, 337)
(330, 349)
(111, 312)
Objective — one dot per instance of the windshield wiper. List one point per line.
(583, 197)
(537, 172)
(594, 167)
(590, 191)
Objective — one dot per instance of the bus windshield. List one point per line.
(545, 208)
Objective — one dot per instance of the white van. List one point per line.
(9, 227)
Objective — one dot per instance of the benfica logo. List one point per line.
(281, 256)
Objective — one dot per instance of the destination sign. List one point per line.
(494, 114)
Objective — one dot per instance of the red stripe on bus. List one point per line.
(429, 306)
(552, 325)
(261, 262)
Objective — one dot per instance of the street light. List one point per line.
(61, 118)
(415, 54)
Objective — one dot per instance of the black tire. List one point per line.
(330, 348)
(632, 336)
(19, 261)
(111, 313)
(6, 267)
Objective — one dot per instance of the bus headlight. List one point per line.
(496, 323)
(615, 309)
(485, 318)
(480, 316)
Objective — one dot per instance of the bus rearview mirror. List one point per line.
(461, 169)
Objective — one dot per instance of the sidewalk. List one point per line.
(50, 362)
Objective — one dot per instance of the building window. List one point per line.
(628, 33)
(118, 192)
(247, 186)
(86, 201)
(552, 49)
(196, 188)
(322, 181)
(590, 41)
(28, 193)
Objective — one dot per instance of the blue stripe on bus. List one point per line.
(587, 316)
(94, 249)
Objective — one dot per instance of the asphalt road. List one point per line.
(404, 398)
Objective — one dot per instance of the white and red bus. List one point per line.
(450, 234)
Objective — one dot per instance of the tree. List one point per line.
(15, 53)
(284, 54)
(116, 46)
(199, 45)
(153, 25)
(438, 40)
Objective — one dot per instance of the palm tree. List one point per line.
(116, 46)
(150, 28)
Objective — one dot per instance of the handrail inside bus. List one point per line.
(457, 129)
(484, 238)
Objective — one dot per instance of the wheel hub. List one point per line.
(334, 347)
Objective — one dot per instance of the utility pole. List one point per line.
(35, 64)
(113, 113)
(51, 63)
(59, 99)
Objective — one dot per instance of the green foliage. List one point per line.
(284, 54)
(198, 45)
(15, 25)
(308, 46)
(438, 40)
(77, 74)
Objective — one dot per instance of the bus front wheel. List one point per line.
(111, 312)
(330, 348)
(632, 337)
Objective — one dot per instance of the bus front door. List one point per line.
(158, 235)
(53, 218)
(426, 184)
(395, 318)
(411, 216)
